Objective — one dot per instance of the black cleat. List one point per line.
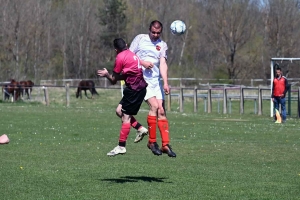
(168, 150)
(154, 148)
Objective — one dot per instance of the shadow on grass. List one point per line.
(126, 179)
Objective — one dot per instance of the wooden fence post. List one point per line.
(13, 98)
(259, 101)
(181, 99)
(195, 100)
(224, 100)
(209, 105)
(29, 92)
(67, 95)
(241, 100)
(169, 101)
(46, 95)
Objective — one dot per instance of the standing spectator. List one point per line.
(279, 89)
(152, 52)
(127, 67)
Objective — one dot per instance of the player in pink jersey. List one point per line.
(127, 67)
(152, 52)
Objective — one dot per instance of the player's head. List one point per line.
(278, 72)
(155, 30)
(120, 45)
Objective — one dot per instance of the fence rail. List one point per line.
(180, 82)
(224, 94)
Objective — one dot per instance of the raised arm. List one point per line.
(113, 78)
(164, 74)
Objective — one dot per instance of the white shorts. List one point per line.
(154, 90)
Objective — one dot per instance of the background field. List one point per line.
(59, 152)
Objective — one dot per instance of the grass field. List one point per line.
(59, 152)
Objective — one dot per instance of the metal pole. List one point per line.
(272, 78)
(299, 102)
(289, 100)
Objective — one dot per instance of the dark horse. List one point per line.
(12, 89)
(26, 87)
(86, 85)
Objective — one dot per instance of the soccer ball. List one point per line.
(178, 27)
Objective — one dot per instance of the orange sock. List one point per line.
(164, 131)
(152, 128)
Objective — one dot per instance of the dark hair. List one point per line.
(120, 44)
(156, 23)
(278, 68)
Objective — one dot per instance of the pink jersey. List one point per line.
(128, 64)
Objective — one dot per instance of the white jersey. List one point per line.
(148, 50)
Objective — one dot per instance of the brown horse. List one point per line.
(86, 85)
(26, 87)
(12, 89)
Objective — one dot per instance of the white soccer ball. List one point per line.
(178, 27)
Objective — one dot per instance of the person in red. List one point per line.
(279, 89)
(127, 67)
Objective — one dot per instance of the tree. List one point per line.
(112, 17)
(229, 25)
(282, 22)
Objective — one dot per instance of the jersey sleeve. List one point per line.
(118, 67)
(135, 43)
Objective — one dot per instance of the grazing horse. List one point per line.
(26, 86)
(86, 85)
(12, 89)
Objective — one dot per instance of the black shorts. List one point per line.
(132, 100)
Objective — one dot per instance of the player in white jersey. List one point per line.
(152, 52)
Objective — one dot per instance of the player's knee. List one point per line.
(118, 112)
(154, 107)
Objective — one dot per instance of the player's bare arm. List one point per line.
(113, 78)
(146, 64)
(164, 74)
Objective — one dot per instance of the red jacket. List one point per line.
(280, 86)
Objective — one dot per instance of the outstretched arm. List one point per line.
(113, 78)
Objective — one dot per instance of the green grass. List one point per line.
(59, 152)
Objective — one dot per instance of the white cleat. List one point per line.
(117, 150)
(140, 134)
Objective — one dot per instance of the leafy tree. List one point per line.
(112, 17)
